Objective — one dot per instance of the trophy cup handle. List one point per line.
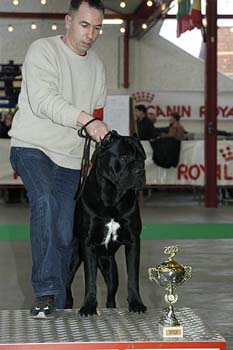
(188, 273)
(152, 277)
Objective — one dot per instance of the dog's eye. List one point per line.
(123, 158)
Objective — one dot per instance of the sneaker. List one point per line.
(43, 307)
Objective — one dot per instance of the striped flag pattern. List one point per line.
(188, 15)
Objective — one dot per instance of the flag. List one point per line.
(195, 17)
(188, 15)
(183, 16)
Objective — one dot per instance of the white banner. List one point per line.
(190, 105)
(190, 170)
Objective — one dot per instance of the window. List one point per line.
(196, 49)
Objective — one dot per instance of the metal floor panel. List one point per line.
(106, 331)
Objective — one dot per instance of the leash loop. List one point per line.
(83, 129)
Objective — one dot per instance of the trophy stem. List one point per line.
(169, 326)
(170, 319)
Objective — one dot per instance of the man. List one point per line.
(151, 114)
(145, 127)
(63, 87)
(175, 130)
(5, 125)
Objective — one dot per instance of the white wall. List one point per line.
(155, 64)
(164, 67)
(14, 45)
(161, 66)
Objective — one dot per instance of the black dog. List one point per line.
(108, 216)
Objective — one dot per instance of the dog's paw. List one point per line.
(88, 310)
(136, 306)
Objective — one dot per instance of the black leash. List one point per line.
(85, 158)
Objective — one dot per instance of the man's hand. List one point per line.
(96, 130)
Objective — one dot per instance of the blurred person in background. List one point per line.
(5, 125)
(151, 114)
(175, 129)
(145, 126)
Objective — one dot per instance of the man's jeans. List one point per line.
(51, 190)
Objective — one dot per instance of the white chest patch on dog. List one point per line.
(112, 232)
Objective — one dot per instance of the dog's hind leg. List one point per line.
(89, 306)
(132, 253)
(108, 268)
(76, 261)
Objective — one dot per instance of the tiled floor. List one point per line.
(209, 292)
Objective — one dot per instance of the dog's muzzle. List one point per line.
(139, 179)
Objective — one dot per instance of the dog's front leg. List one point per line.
(108, 268)
(89, 306)
(132, 252)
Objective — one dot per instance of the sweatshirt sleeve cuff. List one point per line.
(71, 118)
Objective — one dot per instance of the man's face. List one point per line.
(8, 119)
(151, 116)
(83, 28)
(138, 114)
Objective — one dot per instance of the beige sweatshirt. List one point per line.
(57, 85)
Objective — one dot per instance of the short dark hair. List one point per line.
(141, 108)
(176, 116)
(75, 4)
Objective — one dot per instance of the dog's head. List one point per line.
(120, 161)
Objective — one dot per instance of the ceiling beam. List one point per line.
(147, 15)
(46, 15)
(144, 11)
(222, 16)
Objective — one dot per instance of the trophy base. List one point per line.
(171, 331)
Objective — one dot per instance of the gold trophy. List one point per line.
(170, 274)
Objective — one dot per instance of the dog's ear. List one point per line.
(135, 135)
(95, 153)
(109, 138)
